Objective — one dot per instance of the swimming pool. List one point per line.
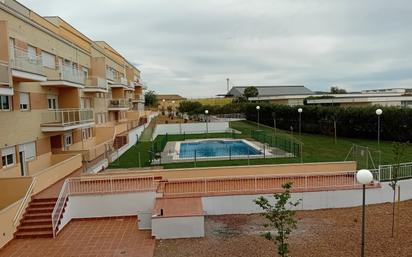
(215, 148)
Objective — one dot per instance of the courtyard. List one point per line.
(320, 233)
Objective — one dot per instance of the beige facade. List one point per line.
(58, 91)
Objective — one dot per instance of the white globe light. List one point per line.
(300, 110)
(379, 111)
(163, 100)
(206, 111)
(364, 177)
(258, 107)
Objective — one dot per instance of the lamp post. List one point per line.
(379, 113)
(257, 109)
(300, 120)
(364, 177)
(207, 128)
(173, 108)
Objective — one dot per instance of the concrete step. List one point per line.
(41, 204)
(30, 222)
(34, 234)
(28, 228)
(40, 210)
(34, 216)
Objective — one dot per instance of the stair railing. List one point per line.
(24, 203)
(59, 207)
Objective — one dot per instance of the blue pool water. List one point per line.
(215, 148)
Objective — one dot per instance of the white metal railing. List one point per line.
(388, 172)
(24, 61)
(119, 103)
(258, 184)
(67, 117)
(59, 207)
(24, 202)
(98, 185)
(97, 82)
(121, 81)
(72, 74)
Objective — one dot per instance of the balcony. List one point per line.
(139, 99)
(119, 105)
(67, 76)
(26, 67)
(96, 85)
(120, 83)
(66, 119)
(4, 74)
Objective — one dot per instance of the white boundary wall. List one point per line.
(178, 227)
(133, 136)
(243, 204)
(107, 205)
(191, 128)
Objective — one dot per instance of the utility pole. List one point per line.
(227, 84)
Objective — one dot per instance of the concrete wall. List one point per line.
(7, 227)
(178, 227)
(243, 204)
(107, 205)
(13, 189)
(190, 128)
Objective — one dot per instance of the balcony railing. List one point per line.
(24, 61)
(67, 117)
(71, 74)
(121, 81)
(119, 103)
(97, 82)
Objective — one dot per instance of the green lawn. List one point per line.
(316, 148)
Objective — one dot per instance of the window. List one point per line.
(52, 102)
(87, 133)
(8, 156)
(31, 52)
(29, 150)
(68, 140)
(24, 101)
(49, 60)
(4, 103)
(11, 48)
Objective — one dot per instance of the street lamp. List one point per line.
(300, 120)
(258, 108)
(364, 177)
(379, 113)
(207, 128)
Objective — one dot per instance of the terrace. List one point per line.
(26, 67)
(65, 76)
(66, 119)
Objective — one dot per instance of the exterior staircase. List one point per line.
(36, 221)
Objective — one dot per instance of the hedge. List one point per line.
(356, 122)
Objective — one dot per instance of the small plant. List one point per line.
(281, 217)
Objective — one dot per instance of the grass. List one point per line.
(316, 148)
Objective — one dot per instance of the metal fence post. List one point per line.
(139, 159)
(195, 158)
(230, 153)
(248, 157)
(264, 151)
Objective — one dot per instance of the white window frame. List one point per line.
(5, 153)
(2, 100)
(50, 100)
(25, 98)
(66, 137)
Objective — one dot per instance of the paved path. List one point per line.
(98, 238)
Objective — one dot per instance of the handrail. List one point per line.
(59, 207)
(92, 185)
(24, 202)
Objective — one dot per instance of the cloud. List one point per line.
(191, 47)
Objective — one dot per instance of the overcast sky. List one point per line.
(191, 47)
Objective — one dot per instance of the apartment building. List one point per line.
(61, 94)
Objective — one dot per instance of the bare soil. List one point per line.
(320, 233)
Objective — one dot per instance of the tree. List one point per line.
(337, 90)
(399, 150)
(150, 98)
(281, 217)
(250, 92)
(190, 107)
